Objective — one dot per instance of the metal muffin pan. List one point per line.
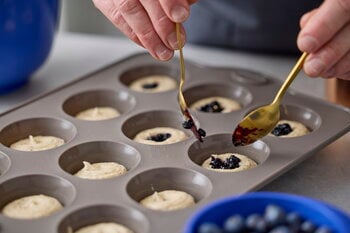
(150, 168)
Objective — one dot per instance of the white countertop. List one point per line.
(326, 175)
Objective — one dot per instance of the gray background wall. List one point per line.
(82, 16)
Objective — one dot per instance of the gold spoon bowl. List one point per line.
(261, 121)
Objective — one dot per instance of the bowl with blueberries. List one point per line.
(268, 212)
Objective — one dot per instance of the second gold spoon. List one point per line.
(261, 121)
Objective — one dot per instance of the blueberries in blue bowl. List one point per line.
(274, 220)
(268, 212)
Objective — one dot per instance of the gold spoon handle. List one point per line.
(292, 75)
(189, 122)
(182, 101)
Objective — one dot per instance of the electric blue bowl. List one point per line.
(27, 29)
(315, 211)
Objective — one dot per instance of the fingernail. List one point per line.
(314, 67)
(163, 53)
(307, 43)
(179, 14)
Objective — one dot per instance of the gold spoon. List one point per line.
(189, 122)
(262, 120)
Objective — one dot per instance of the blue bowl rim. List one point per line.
(327, 209)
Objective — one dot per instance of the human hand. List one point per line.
(325, 35)
(149, 23)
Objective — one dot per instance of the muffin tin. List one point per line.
(150, 168)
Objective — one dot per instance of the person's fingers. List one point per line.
(177, 10)
(331, 16)
(320, 62)
(345, 76)
(111, 12)
(342, 67)
(164, 27)
(305, 18)
(137, 18)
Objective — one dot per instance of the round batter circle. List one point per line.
(228, 105)
(245, 163)
(98, 171)
(105, 227)
(298, 128)
(162, 83)
(176, 136)
(32, 207)
(98, 114)
(37, 143)
(168, 200)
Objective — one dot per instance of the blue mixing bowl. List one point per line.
(27, 29)
(315, 211)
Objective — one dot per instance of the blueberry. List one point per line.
(261, 226)
(202, 132)
(323, 230)
(274, 215)
(293, 220)
(307, 227)
(234, 224)
(212, 107)
(282, 129)
(252, 221)
(209, 228)
(216, 163)
(187, 124)
(159, 137)
(150, 85)
(281, 229)
(232, 162)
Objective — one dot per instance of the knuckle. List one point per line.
(345, 5)
(331, 53)
(147, 35)
(162, 20)
(129, 6)
(116, 17)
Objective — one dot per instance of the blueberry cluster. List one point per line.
(159, 137)
(188, 124)
(212, 107)
(150, 85)
(230, 163)
(274, 220)
(282, 129)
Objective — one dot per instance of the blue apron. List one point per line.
(255, 25)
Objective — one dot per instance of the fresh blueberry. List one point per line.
(323, 230)
(232, 162)
(202, 132)
(281, 229)
(274, 215)
(187, 124)
(282, 129)
(212, 107)
(234, 224)
(293, 220)
(159, 137)
(209, 228)
(252, 221)
(261, 226)
(150, 85)
(216, 163)
(307, 227)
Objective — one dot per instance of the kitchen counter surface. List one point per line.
(325, 175)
